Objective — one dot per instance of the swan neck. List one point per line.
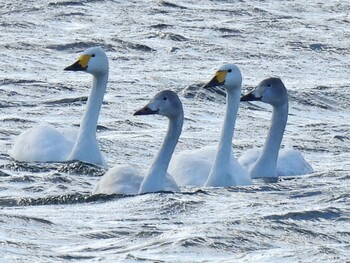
(269, 155)
(225, 143)
(161, 162)
(93, 106)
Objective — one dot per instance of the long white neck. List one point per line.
(266, 165)
(156, 177)
(220, 172)
(86, 139)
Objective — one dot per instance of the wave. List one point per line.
(9, 217)
(79, 46)
(329, 213)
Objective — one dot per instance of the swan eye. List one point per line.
(269, 85)
(165, 98)
(230, 70)
(93, 55)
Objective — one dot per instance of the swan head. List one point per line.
(166, 103)
(227, 75)
(93, 60)
(271, 91)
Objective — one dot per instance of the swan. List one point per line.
(271, 161)
(47, 144)
(210, 165)
(125, 179)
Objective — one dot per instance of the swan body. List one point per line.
(120, 179)
(54, 144)
(215, 166)
(290, 162)
(192, 167)
(125, 179)
(271, 161)
(47, 144)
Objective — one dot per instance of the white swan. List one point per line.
(271, 161)
(124, 179)
(215, 166)
(47, 144)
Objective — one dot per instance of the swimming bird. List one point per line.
(47, 144)
(125, 179)
(215, 166)
(271, 161)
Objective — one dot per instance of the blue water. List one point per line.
(47, 211)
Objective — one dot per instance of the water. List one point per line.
(47, 211)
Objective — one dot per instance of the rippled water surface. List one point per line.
(47, 211)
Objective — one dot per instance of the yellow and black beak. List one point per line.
(80, 65)
(217, 80)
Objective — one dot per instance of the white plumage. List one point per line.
(215, 166)
(47, 144)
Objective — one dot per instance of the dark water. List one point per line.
(47, 211)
